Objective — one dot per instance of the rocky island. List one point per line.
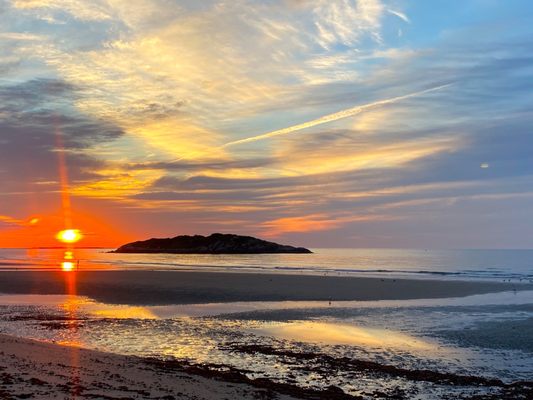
(216, 243)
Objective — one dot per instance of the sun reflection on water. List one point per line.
(67, 266)
(120, 312)
(343, 334)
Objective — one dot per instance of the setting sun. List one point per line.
(69, 236)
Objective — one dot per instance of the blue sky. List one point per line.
(349, 123)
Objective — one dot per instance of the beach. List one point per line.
(36, 370)
(120, 334)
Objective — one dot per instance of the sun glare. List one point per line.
(67, 266)
(69, 236)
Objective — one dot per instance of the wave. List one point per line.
(322, 270)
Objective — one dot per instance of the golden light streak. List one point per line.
(71, 307)
(63, 178)
(333, 117)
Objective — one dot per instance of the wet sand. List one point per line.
(30, 369)
(36, 370)
(184, 287)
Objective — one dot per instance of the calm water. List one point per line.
(446, 264)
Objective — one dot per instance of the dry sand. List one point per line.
(179, 287)
(36, 370)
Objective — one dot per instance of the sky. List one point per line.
(323, 123)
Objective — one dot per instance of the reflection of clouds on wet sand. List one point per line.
(120, 312)
(335, 333)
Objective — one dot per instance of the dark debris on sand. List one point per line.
(230, 374)
(325, 364)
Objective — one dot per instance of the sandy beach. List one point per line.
(231, 367)
(179, 287)
(31, 369)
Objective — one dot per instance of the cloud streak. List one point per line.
(349, 112)
(14, 222)
(400, 15)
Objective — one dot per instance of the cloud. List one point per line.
(400, 15)
(304, 223)
(33, 114)
(9, 221)
(347, 21)
(14, 222)
(19, 36)
(176, 93)
(85, 10)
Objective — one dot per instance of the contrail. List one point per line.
(332, 117)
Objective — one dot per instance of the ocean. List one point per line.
(495, 265)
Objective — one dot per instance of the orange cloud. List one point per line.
(308, 223)
(317, 222)
(10, 221)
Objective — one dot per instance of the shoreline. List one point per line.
(36, 369)
(421, 275)
(186, 287)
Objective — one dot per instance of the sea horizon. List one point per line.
(471, 264)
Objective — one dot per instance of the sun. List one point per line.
(69, 235)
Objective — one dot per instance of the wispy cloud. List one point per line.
(85, 10)
(400, 15)
(6, 220)
(14, 222)
(20, 36)
(347, 21)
